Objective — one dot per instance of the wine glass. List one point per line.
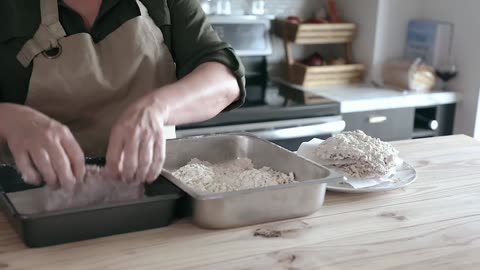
(446, 70)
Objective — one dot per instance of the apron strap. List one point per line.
(143, 8)
(47, 35)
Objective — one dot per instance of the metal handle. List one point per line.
(377, 119)
(300, 132)
(267, 126)
(433, 125)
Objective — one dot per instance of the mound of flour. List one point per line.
(235, 175)
(359, 155)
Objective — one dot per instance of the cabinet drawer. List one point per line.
(388, 125)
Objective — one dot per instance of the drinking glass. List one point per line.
(446, 70)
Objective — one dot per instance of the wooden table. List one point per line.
(433, 224)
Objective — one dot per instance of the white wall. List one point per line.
(365, 14)
(382, 30)
(466, 49)
(393, 17)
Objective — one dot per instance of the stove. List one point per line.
(266, 113)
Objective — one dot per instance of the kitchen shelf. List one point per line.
(314, 33)
(326, 75)
(320, 34)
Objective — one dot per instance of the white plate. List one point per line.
(404, 176)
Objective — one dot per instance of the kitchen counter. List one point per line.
(432, 224)
(361, 98)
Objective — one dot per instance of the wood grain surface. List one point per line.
(432, 224)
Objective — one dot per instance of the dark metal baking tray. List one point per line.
(157, 209)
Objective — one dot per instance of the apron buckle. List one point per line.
(54, 52)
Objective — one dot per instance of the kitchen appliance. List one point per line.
(241, 208)
(286, 123)
(250, 36)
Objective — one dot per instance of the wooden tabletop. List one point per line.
(432, 224)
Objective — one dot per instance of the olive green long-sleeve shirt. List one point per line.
(187, 34)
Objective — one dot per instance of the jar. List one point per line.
(407, 75)
(257, 7)
(224, 7)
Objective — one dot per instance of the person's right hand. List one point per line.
(43, 149)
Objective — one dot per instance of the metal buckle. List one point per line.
(56, 55)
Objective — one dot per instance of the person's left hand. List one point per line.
(136, 149)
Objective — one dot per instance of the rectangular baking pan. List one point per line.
(254, 206)
(42, 229)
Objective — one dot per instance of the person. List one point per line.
(107, 78)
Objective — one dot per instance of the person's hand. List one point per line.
(136, 149)
(43, 149)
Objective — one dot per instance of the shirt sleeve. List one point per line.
(195, 42)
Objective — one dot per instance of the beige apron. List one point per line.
(86, 85)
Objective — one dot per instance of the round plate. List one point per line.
(404, 176)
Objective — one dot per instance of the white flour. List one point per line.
(97, 188)
(359, 155)
(234, 175)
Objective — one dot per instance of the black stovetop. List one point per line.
(264, 113)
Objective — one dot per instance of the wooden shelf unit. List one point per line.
(325, 75)
(312, 33)
(319, 34)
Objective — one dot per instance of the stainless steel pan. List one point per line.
(255, 206)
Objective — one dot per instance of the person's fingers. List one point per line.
(158, 159)
(116, 146)
(130, 157)
(145, 157)
(42, 162)
(26, 168)
(61, 165)
(75, 155)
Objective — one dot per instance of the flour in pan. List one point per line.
(359, 155)
(97, 188)
(235, 175)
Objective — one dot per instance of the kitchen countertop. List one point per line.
(360, 98)
(432, 224)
